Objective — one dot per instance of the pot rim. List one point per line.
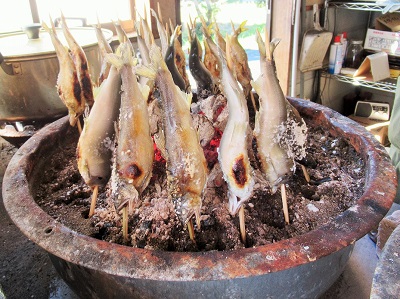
(120, 260)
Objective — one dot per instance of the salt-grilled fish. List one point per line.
(240, 64)
(81, 64)
(232, 153)
(96, 143)
(68, 86)
(186, 163)
(279, 131)
(134, 153)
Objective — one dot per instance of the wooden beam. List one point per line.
(281, 27)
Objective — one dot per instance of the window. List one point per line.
(105, 10)
(31, 11)
(17, 14)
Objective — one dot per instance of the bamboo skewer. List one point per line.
(94, 200)
(125, 224)
(191, 229)
(78, 123)
(305, 172)
(242, 225)
(284, 203)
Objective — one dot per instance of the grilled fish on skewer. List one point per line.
(134, 153)
(122, 36)
(168, 50)
(95, 144)
(68, 86)
(232, 153)
(146, 33)
(199, 72)
(280, 132)
(210, 60)
(170, 61)
(81, 64)
(144, 54)
(186, 164)
(180, 60)
(240, 64)
(105, 49)
(164, 38)
(220, 39)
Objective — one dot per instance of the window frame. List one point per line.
(173, 7)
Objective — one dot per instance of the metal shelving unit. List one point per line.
(365, 5)
(388, 85)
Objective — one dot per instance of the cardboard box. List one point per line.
(375, 67)
(388, 22)
(378, 128)
(385, 41)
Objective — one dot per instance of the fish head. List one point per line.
(125, 194)
(186, 206)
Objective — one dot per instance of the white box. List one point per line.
(385, 41)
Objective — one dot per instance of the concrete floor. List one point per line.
(355, 282)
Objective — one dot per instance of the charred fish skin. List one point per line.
(199, 72)
(95, 145)
(170, 61)
(273, 118)
(81, 64)
(232, 153)
(180, 60)
(68, 86)
(135, 152)
(186, 164)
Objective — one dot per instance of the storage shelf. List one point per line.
(388, 85)
(365, 5)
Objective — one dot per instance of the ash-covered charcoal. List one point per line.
(158, 227)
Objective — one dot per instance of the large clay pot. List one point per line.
(301, 267)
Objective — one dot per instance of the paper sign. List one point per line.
(375, 67)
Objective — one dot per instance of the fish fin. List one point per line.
(273, 44)
(261, 45)
(157, 61)
(242, 28)
(145, 90)
(186, 96)
(146, 71)
(96, 90)
(122, 56)
(257, 85)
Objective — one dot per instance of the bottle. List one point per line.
(343, 40)
(335, 57)
(354, 54)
